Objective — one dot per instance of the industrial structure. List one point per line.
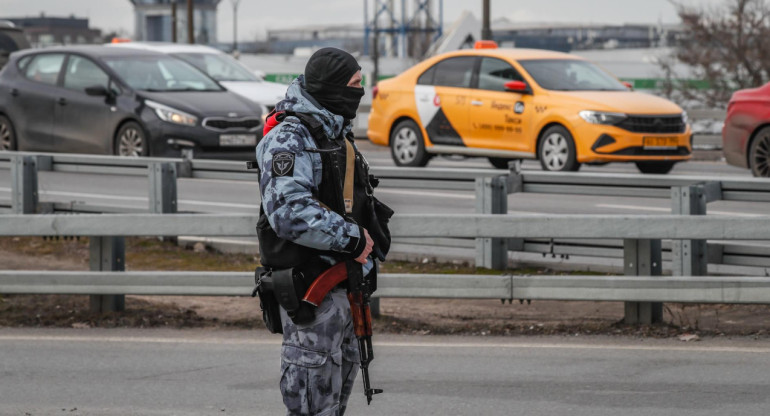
(398, 30)
(45, 31)
(166, 20)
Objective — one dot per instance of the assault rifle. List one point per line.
(360, 290)
(359, 293)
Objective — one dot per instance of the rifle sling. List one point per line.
(350, 166)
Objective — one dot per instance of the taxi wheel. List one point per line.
(655, 167)
(131, 140)
(759, 154)
(7, 135)
(407, 146)
(557, 150)
(500, 162)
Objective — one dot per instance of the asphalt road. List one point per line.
(194, 372)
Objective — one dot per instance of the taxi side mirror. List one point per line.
(520, 87)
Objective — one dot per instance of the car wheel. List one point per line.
(7, 134)
(131, 140)
(557, 150)
(759, 154)
(655, 167)
(500, 162)
(407, 146)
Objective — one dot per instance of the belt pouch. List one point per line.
(289, 287)
(271, 313)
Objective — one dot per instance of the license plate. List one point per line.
(660, 142)
(238, 140)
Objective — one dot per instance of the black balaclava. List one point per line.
(326, 78)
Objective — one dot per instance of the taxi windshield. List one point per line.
(571, 75)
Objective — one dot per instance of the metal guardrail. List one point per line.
(490, 186)
(683, 289)
(406, 225)
(641, 235)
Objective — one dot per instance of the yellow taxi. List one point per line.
(507, 104)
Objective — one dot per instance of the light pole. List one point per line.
(190, 22)
(235, 24)
(486, 32)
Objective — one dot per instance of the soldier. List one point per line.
(307, 225)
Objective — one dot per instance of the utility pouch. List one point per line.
(377, 224)
(289, 287)
(271, 313)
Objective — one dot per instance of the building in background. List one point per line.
(45, 31)
(153, 20)
(567, 37)
(285, 41)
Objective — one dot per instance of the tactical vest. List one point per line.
(278, 253)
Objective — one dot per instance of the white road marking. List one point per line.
(633, 207)
(659, 209)
(425, 193)
(416, 344)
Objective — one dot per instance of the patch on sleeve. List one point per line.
(283, 164)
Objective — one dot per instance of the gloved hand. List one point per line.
(363, 258)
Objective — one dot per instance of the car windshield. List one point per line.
(219, 66)
(571, 75)
(160, 73)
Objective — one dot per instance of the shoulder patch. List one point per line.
(283, 164)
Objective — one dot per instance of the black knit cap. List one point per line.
(329, 67)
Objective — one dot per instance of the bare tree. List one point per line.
(727, 46)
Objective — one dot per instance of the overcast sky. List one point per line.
(256, 16)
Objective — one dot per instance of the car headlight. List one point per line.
(599, 117)
(172, 115)
(684, 117)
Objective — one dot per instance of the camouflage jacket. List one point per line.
(290, 177)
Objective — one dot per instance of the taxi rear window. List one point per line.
(451, 72)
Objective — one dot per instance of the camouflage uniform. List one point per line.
(319, 361)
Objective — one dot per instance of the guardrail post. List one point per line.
(24, 195)
(642, 258)
(162, 184)
(689, 257)
(108, 254)
(492, 198)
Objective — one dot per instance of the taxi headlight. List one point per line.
(172, 115)
(684, 117)
(599, 117)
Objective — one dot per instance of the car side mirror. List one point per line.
(520, 87)
(97, 90)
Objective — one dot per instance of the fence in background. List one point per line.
(643, 288)
(689, 195)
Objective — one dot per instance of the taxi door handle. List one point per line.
(477, 103)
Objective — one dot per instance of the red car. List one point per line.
(746, 133)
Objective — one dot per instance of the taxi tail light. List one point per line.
(120, 40)
(375, 90)
(628, 85)
(485, 44)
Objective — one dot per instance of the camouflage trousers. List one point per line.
(319, 361)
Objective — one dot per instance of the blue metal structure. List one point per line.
(422, 21)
